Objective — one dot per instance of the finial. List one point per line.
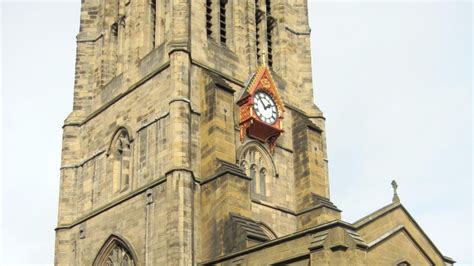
(395, 195)
(264, 58)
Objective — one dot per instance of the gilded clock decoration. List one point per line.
(261, 109)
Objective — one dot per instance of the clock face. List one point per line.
(265, 107)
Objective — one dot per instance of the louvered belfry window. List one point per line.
(153, 22)
(270, 25)
(222, 21)
(264, 31)
(258, 19)
(209, 18)
(217, 20)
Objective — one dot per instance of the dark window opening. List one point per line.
(209, 18)
(258, 19)
(222, 21)
(271, 22)
(153, 22)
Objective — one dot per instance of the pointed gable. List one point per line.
(262, 79)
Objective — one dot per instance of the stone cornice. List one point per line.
(84, 161)
(221, 171)
(226, 168)
(158, 70)
(216, 72)
(132, 88)
(312, 230)
(298, 32)
(80, 38)
(112, 204)
(291, 212)
(126, 197)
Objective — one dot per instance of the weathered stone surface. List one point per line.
(152, 164)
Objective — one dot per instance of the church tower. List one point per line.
(194, 139)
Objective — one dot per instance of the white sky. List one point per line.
(394, 80)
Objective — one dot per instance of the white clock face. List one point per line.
(265, 107)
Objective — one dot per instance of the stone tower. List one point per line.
(153, 169)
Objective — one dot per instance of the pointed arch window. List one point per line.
(258, 166)
(264, 28)
(116, 252)
(120, 160)
(153, 22)
(115, 23)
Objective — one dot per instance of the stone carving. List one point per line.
(119, 257)
(395, 195)
(115, 252)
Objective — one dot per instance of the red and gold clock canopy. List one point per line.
(251, 122)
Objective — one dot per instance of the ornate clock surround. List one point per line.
(250, 123)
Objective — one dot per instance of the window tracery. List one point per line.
(258, 165)
(120, 160)
(119, 257)
(115, 252)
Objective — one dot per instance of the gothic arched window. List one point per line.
(120, 160)
(264, 29)
(115, 252)
(114, 27)
(258, 165)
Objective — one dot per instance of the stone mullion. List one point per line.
(147, 19)
(278, 47)
(261, 27)
(124, 42)
(230, 25)
(215, 21)
(238, 41)
(250, 38)
(110, 30)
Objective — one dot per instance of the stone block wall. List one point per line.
(160, 78)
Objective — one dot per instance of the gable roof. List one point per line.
(251, 84)
(386, 210)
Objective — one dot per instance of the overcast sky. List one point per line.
(394, 80)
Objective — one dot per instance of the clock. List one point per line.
(261, 109)
(265, 107)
